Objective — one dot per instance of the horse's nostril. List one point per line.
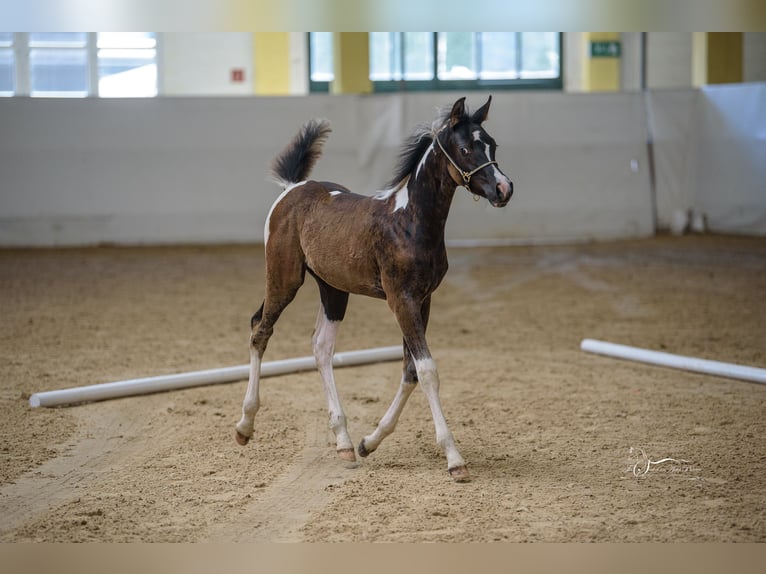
(504, 189)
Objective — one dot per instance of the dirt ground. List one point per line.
(552, 435)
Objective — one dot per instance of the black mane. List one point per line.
(414, 147)
(409, 155)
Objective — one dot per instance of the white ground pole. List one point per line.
(146, 385)
(729, 370)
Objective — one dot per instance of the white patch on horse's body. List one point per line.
(400, 191)
(336, 192)
(384, 194)
(402, 198)
(282, 195)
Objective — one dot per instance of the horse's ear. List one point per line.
(480, 116)
(457, 114)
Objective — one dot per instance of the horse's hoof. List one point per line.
(241, 439)
(460, 474)
(362, 450)
(347, 454)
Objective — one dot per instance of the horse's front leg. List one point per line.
(412, 320)
(429, 382)
(387, 424)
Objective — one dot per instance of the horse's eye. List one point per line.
(464, 150)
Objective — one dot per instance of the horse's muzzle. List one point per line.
(503, 191)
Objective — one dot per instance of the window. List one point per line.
(7, 64)
(320, 57)
(58, 64)
(78, 64)
(397, 56)
(127, 64)
(450, 60)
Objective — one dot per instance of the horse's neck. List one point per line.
(431, 195)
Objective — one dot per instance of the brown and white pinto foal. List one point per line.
(389, 246)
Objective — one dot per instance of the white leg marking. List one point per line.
(324, 346)
(252, 401)
(388, 423)
(429, 382)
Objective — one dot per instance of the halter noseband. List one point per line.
(466, 174)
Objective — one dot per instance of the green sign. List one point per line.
(605, 49)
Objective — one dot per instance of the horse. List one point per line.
(389, 245)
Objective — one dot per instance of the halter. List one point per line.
(466, 174)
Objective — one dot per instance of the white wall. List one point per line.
(669, 60)
(175, 170)
(575, 52)
(754, 56)
(630, 63)
(200, 64)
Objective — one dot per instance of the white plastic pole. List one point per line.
(729, 370)
(209, 377)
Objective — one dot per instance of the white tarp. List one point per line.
(729, 181)
(710, 156)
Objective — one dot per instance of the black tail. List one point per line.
(294, 163)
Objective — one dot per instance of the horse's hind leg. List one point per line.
(282, 284)
(252, 402)
(331, 313)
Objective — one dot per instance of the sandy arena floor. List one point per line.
(551, 434)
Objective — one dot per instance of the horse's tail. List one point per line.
(294, 163)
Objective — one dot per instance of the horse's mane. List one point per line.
(414, 147)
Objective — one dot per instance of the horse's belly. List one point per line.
(345, 265)
(347, 274)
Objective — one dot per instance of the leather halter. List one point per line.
(466, 174)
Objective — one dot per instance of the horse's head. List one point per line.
(470, 152)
